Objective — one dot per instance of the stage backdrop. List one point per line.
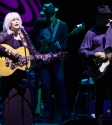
(28, 9)
(73, 12)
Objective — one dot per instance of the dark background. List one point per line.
(72, 12)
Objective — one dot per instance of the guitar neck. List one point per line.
(71, 33)
(38, 57)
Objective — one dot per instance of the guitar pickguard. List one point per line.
(18, 64)
(14, 64)
(103, 66)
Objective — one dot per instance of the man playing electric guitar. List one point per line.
(51, 74)
(48, 44)
(93, 47)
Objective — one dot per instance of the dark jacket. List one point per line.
(61, 34)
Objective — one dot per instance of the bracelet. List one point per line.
(10, 51)
(6, 50)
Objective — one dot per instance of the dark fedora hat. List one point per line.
(48, 9)
(103, 9)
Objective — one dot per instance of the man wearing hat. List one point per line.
(95, 42)
(49, 35)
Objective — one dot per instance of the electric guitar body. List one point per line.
(97, 67)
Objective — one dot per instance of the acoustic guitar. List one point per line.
(8, 65)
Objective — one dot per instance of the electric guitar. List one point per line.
(8, 64)
(46, 46)
(96, 67)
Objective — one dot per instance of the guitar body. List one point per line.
(94, 67)
(8, 64)
(6, 70)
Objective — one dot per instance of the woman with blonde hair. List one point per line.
(16, 98)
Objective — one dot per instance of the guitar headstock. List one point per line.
(63, 55)
(78, 28)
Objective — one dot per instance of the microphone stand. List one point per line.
(23, 40)
(32, 69)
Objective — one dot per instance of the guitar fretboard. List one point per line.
(31, 57)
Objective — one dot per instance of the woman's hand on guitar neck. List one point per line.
(46, 58)
(100, 55)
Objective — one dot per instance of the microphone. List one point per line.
(23, 30)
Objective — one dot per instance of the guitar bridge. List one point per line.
(13, 66)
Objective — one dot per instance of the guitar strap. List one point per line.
(55, 30)
(23, 40)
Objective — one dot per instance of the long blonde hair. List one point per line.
(7, 21)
